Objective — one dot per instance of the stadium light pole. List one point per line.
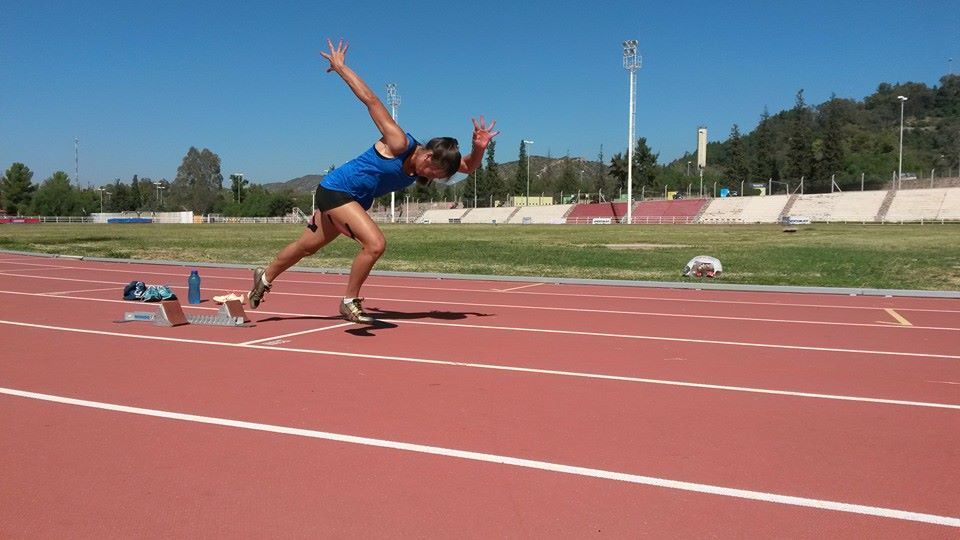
(903, 100)
(101, 190)
(527, 202)
(159, 194)
(76, 163)
(238, 177)
(393, 97)
(631, 62)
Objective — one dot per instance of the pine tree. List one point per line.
(737, 168)
(644, 166)
(496, 188)
(520, 179)
(16, 189)
(600, 184)
(136, 195)
(832, 156)
(800, 152)
(764, 160)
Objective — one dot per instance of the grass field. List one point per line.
(874, 256)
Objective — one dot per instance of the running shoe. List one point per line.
(259, 289)
(353, 312)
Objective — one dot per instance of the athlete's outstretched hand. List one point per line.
(337, 55)
(482, 133)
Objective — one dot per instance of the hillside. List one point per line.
(297, 186)
(848, 138)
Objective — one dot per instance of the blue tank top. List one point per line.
(371, 175)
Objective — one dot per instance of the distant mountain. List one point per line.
(303, 184)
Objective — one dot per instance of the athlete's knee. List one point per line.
(307, 248)
(375, 246)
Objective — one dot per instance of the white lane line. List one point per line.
(584, 333)
(548, 308)
(28, 269)
(520, 287)
(692, 340)
(945, 382)
(515, 369)
(537, 293)
(57, 293)
(312, 330)
(637, 313)
(775, 498)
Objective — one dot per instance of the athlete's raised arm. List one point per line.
(393, 135)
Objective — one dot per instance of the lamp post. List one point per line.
(101, 190)
(160, 186)
(527, 201)
(631, 62)
(393, 97)
(903, 100)
(238, 178)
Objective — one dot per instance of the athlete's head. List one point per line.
(440, 158)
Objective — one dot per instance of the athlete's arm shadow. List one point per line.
(383, 319)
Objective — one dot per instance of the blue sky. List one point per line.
(139, 83)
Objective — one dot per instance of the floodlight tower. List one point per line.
(76, 165)
(631, 62)
(101, 189)
(238, 178)
(393, 98)
(903, 100)
(159, 194)
(525, 143)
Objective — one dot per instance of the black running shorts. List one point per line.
(328, 199)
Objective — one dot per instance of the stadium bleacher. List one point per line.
(551, 214)
(593, 212)
(442, 215)
(498, 214)
(856, 206)
(917, 204)
(930, 204)
(676, 211)
(765, 209)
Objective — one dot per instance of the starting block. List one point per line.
(170, 313)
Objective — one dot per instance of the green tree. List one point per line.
(644, 166)
(618, 171)
(17, 189)
(198, 183)
(831, 156)
(737, 169)
(238, 187)
(800, 152)
(56, 197)
(136, 194)
(120, 199)
(764, 158)
(496, 187)
(520, 179)
(601, 182)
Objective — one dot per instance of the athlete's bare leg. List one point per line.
(353, 221)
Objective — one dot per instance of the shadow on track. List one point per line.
(383, 318)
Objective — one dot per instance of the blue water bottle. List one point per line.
(194, 287)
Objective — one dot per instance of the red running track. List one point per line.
(478, 409)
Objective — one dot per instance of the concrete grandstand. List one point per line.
(909, 205)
